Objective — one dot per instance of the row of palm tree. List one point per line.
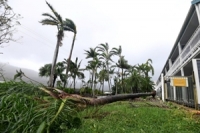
(101, 66)
(103, 57)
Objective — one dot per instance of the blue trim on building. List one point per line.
(195, 1)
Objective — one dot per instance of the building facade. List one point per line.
(183, 61)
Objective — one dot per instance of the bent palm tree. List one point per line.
(70, 26)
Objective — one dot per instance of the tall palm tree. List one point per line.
(123, 64)
(75, 71)
(118, 52)
(93, 66)
(91, 53)
(103, 76)
(45, 71)
(106, 56)
(56, 20)
(70, 26)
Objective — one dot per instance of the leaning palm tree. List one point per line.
(106, 56)
(56, 20)
(70, 26)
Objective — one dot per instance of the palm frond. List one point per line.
(69, 25)
(79, 64)
(49, 22)
(55, 13)
(49, 15)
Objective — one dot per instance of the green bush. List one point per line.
(85, 90)
(69, 90)
(25, 108)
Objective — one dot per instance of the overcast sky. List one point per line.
(144, 28)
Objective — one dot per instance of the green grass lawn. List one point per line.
(122, 117)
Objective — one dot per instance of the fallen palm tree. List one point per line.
(119, 97)
(59, 94)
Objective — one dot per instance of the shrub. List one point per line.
(25, 108)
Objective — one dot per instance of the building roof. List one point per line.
(195, 1)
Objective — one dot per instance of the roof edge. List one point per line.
(195, 1)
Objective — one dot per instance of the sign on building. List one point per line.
(179, 81)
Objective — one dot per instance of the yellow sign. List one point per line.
(179, 81)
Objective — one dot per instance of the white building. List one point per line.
(184, 60)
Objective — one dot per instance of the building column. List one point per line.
(179, 48)
(184, 89)
(163, 87)
(197, 8)
(174, 88)
(170, 63)
(180, 51)
(165, 70)
(197, 83)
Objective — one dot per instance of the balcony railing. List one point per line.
(175, 64)
(190, 47)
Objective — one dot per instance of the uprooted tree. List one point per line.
(8, 21)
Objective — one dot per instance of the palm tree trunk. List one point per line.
(119, 97)
(74, 83)
(123, 81)
(71, 84)
(91, 85)
(110, 83)
(70, 55)
(100, 87)
(95, 78)
(54, 79)
(116, 87)
(107, 67)
(53, 67)
(92, 82)
(103, 87)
